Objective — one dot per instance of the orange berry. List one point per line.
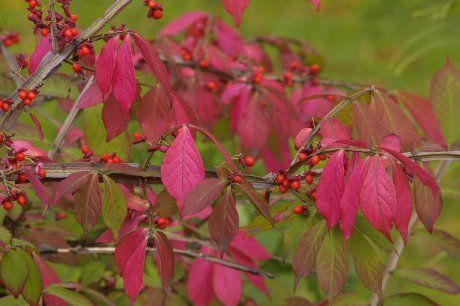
(84, 150)
(157, 14)
(27, 102)
(31, 95)
(21, 200)
(105, 157)
(8, 205)
(42, 173)
(309, 179)
(294, 185)
(44, 32)
(22, 178)
(19, 156)
(313, 195)
(280, 179)
(298, 210)
(302, 157)
(322, 157)
(314, 160)
(282, 189)
(23, 94)
(237, 179)
(249, 161)
(5, 107)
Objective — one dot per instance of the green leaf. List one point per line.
(71, 297)
(33, 285)
(409, 299)
(113, 205)
(95, 135)
(377, 239)
(12, 301)
(5, 235)
(14, 272)
(306, 251)
(367, 263)
(331, 265)
(445, 98)
(91, 272)
(446, 242)
(348, 299)
(429, 278)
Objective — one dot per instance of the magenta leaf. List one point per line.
(91, 97)
(427, 204)
(124, 80)
(301, 137)
(154, 114)
(182, 167)
(105, 65)
(227, 284)
(330, 189)
(315, 4)
(71, 184)
(38, 125)
(236, 9)
(378, 200)
(40, 190)
(124, 249)
(253, 127)
(250, 247)
(199, 284)
(39, 53)
(392, 142)
(166, 255)
(224, 223)
(133, 276)
(115, 118)
(181, 24)
(404, 200)
(256, 280)
(49, 277)
(202, 195)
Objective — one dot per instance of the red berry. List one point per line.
(249, 161)
(294, 65)
(22, 178)
(44, 32)
(282, 189)
(204, 63)
(152, 4)
(8, 205)
(294, 185)
(76, 68)
(60, 215)
(105, 157)
(68, 33)
(31, 95)
(74, 31)
(33, 4)
(84, 51)
(21, 200)
(137, 135)
(19, 156)
(280, 179)
(322, 157)
(42, 173)
(237, 179)
(27, 102)
(84, 150)
(74, 17)
(5, 107)
(116, 159)
(314, 69)
(23, 94)
(309, 179)
(314, 160)
(211, 86)
(302, 157)
(298, 210)
(157, 14)
(313, 195)
(162, 223)
(286, 184)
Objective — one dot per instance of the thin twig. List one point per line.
(12, 64)
(67, 125)
(54, 41)
(186, 253)
(399, 243)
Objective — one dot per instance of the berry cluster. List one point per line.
(296, 68)
(22, 61)
(10, 39)
(105, 158)
(155, 9)
(27, 96)
(15, 195)
(5, 104)
(286, 182)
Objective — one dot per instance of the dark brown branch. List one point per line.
(186, 253)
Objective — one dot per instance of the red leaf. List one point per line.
(256, 280)
(71, 184)
(115, 118)
(182, 168)
(250, 247)
(301, 137)
(40, 190)
(183, 112)
(223, 224)
(199, 284)
(166, 255)
(39, 53)
(202, 196)
(37, 125)
(236, 9)
(153, 61)
(227, 39)
(392, 142)
(105, 65)
(404, 201)
(330, 189)
(181, 24)
(315, 4)
(133, 276)
(124, 80)
(378, 200)
(154, 114)
(253, 127)
(91, 97)
(349, 204)
(124, 249)
(227, 284)
(49, 277)
(427, 204)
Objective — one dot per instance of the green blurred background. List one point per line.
(393, 43)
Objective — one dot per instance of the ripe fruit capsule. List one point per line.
(5, 107)
(60, 215)
(302, 157)
(295, 185)
(314, 160)
(84, 150)
(286, 184)
(298, 210)
(282, 189)
(249, 161)
(23, 94)
(8, 205)
(280, 179)
(152, 4)
(136, 135)
(314, 69)
(74, 17)
(76, 67)
(313, 195)
(105, 157)
(161, 223)
(22, 178)
(68, 33)
(19, 156)
(157, 14)
(33, 4)
(237, 179)
(31, 95)
(211, 86)
(42, 173)
(204, 63)
(21, 200)
(309, 179)
(84, 50)
(116, 159)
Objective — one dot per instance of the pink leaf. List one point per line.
(256, 280)
(49, 277)
(31, 150)
(115, 118)
(124, 80)
(166, 255)
(91, 97)
(40, 51)
(253, 127)
(181, 24)
(124, 249)
(349, 204)
(202, 195)
(315, 4)
(154, 114)
(183, 112)
(378, 197)
(330, 189)
(236, 9)
(71, 184)
(199, 284)
(37, 124)
(182, 168)
(133, 277)
(392, 142)
(250, 247)
(105, 65)
(40, 190)
(404, 201)
(227, 39)
(227, 284)
(427, 204)
(301, 137)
